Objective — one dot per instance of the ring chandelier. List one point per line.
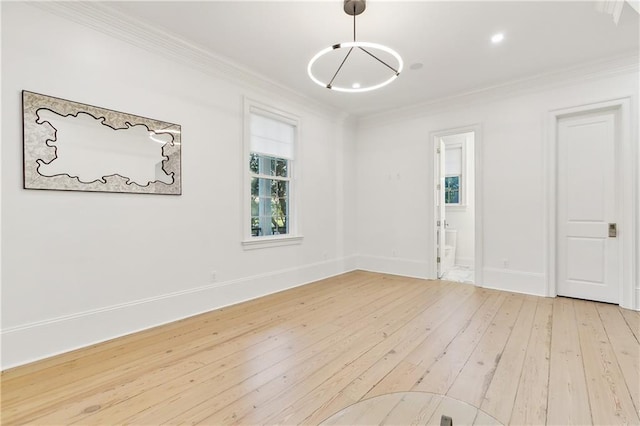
(354, 8)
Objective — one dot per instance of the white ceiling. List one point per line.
(276, 39)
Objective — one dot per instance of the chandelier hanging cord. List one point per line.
(354, 22)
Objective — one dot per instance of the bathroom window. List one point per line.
(454, 177)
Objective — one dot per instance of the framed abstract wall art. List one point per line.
(78, 147)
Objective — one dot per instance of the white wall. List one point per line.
(395, 172)
(81, 267)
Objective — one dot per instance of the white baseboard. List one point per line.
(514, 281)
(633, 302)
(394, 266)
(35, 341)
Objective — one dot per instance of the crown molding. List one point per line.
(577, 74)
(105, 19)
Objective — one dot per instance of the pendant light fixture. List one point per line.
(354, 8)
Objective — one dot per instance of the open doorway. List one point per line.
(455, 192)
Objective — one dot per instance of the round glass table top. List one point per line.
(410, 408)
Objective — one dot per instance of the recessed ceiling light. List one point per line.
(355, 85)
(497, 38)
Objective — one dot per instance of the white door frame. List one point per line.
(626, 173)
(478, 203)
(441, 206)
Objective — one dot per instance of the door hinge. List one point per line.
(438, 259)
(438, 187)
(438, 150)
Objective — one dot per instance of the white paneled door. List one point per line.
(588, 247)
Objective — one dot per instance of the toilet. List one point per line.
(451, 237)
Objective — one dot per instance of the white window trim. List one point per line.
(462, 205)
(294, 236)
(271, 241)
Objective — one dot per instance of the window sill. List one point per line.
(272, 241)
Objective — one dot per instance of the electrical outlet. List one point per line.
(505, 263)
(214, 276)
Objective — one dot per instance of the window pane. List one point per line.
(281, 167)
(253, 162)
(269, 207)
(272, 166)
(452, 190)
(256, 231)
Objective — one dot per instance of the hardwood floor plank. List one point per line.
(608, 393)
(625, 347)
(378, 410)
(530, 402)
(568, 400)
(441, 374)
(405, 375)
(351, 416)
(499, 399)
(484, 419)
(474, 379)
(632, 319)
(412, 411)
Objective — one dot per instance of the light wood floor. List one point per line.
(299, 356)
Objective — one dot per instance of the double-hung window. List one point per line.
(453, 181)
(270, 157)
